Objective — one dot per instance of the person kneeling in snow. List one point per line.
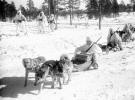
(128, 33)
(114, 41)
(92, 50)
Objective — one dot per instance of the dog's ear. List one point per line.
(50, 65)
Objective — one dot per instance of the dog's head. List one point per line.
(40, 59)
(58, 67)
(65, 59)
(26, 62)
(40, 72)
(38, 75)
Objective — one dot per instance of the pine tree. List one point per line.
(63, 5)
(1, 10)
(122, 6)
(4, 7)
(13, 9)
(107, 7)
(92, 8)
(134, 7)
(31, 8)
(44, 7)
(30, 4)
(76, 4)
(115, 7)
(133, 4)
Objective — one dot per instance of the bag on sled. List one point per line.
(81, 58)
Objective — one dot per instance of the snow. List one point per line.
(114, 80)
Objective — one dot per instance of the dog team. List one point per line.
(59, 70)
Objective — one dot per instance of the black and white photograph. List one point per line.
(67, 49)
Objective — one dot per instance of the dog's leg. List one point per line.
(60, 84)
(70, 73)
(44, 79)
(53, 81)
(64, 78)
(69, 76)
(36, 80)
(41, 87)
(107, 50)
(26, 77)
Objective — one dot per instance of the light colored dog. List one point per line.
(68, 67)
(31, 65)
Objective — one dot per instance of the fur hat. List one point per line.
(88, 39)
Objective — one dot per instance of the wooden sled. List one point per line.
(82, 62)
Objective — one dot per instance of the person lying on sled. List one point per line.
(91, 49)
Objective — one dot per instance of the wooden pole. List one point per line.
(71, 8)
(49, 8)
(99, 14)
(56, 11)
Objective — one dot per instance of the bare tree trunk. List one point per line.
(56, 12)
(99, 14)
(71, 10)
(49, 7)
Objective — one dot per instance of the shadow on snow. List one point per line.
(12, 86)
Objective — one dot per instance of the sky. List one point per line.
(38, 3)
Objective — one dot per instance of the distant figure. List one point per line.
(128, 33)
(86, 20)
(52, 22)
(114, 41)
(42, 22)
(132, 28)
(20, 26)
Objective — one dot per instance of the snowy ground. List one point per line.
(114, 80)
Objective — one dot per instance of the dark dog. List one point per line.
(132, 28)
(31, 65)
(120, 33)
(126, 34)
(49, 68)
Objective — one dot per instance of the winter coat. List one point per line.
(94, 49)
(19, 18)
